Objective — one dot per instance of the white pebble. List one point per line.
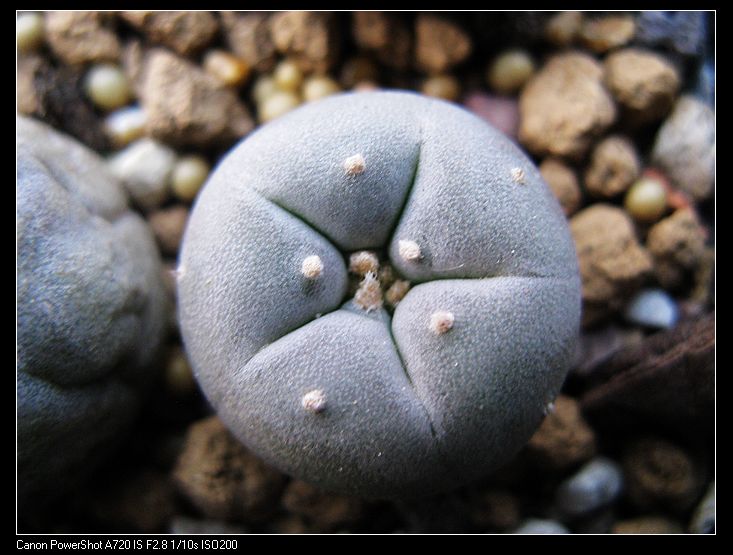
(446, 87)
(685, 147)
(263, 88)
(646, 200)
(653, 308)
(107, 86)
(319, 86)
(178, 374)
(189, 174)
(277, 104)
(288, 76)
(226, 67)
(125, 125)
(595, 485)
(145, 168)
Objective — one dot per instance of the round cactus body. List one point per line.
(336, 388)
(91, 311)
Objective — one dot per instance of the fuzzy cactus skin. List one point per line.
(407, 411)
(91, 311)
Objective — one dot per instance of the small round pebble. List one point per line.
(541, 526)
(125, 125)
(263, 88)
(563, 28)
(107, 86)
(189, 174)
(646, 200)
(652, 308)
(595, 485)
(288, 76)
(226, 67)
(145, 168)
(510, 71)
(446, 87)
(29, 32)
(277, 104)
(319, 86)
(178, 374)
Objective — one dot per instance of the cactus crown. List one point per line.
(398, 282)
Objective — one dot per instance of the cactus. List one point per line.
(437, 392)
(91, 311)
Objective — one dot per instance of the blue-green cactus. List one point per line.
(340, 392)
(91, 311)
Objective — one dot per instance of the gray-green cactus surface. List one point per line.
(91, 311)
(342, 392)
